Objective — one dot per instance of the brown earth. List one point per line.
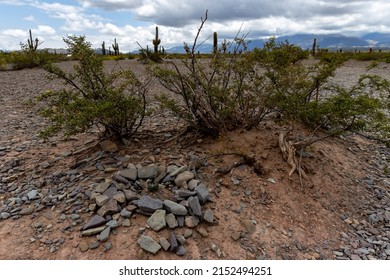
(294, 219)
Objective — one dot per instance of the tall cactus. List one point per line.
(115, 47)
(32, 45)
(313, 50)
(156, 41)
(104, 48)
(215, 42)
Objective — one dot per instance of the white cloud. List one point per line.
(29, 18)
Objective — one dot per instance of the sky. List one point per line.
(133, 22)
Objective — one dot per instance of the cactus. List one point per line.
(215, 42)
(156, 41)
(104, 48)
(115, 47)
(313, 50)
(32, 45)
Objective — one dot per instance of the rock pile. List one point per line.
(115, 201)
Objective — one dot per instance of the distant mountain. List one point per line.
(324, 41)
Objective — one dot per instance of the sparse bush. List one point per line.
(221, 93)
(115, 102)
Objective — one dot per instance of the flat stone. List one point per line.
(101, 199)
(109, 146)
(192, 184)
(93, 231)
(148, 244)
(191, 221)
(125, 213)
(209, 216)
(33, 194)
(112, 224)
(173, 170)
(94, 245)
(164, 243)
(157, 220)
(181, 251)
(83, 246)
(167, 179)
(173, 241)
(111, 207)
(75, 216)
(149, 205)
(202, 193)
(118, 178)
(171, 221)
(175, 208)
(188, 233)
(102, 187)
(95, 221)
(126, 223)
(180, 220)
(120, 197)
(129, 173)
(182, 178)
(249, 226)
(355, 257)
(130, 195)
(107, 246)
(111, 191)
(148, 172)
(103, 236)
(4, 215)
(203, 232)
(27, 210)
(194, 204)
(236, 235)
(186, 193)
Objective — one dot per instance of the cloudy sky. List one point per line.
(132, 21)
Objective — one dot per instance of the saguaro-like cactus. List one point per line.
(215, 42)
(156, 41)
(32, 44)
(115, 47)
(104, 48)
(313, 50)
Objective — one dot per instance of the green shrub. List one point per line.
(114, 102)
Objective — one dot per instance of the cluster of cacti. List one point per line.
(32, 44)
(115, 47)
(104, 48)
(156, 41)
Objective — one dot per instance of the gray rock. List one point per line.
(103, 236)
(4, 215)
(112, 224)
(27, 210)
(111, 191)
(93, 231)
(120, 197)
(202, 192)
(186, 193)
(148, 172)
(236, 235)
(191, 221)
(32, 194)
(126, 223)
(125, 213)
(182, 178)
(129, 173)
(101, 200)
(180, 220)
(164, 243)
(355, 257)
(173, 241)
(102, 187)
(94, 245)
(107, 246)
(75, 216)
(203, 232)
(120, 179)
(95, 221)
(194, 204)
(148, 244)
(209, 216)
(149, 205)
(167, 179)
(175, 208)
(387, 216)
(111, 207)
(130, 195)
(181, 251)
(187, 233)
(157, 220)
(171, 221)
(173, 170)
(192, 184)
(83, 246)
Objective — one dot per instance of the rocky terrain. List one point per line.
(169, 195)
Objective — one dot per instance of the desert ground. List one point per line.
(342, 211)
